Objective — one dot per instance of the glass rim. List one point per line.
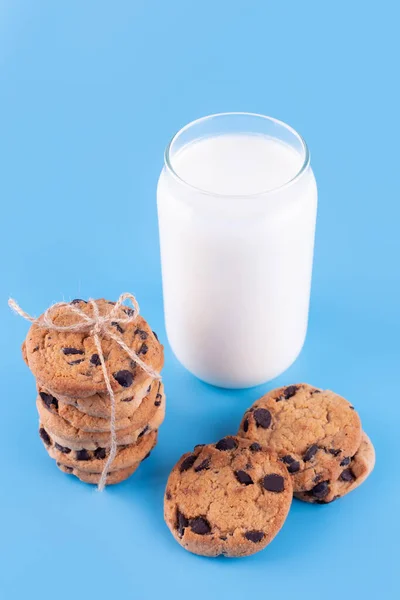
(303, 168)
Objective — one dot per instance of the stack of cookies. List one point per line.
(73, 402)
(233, 497)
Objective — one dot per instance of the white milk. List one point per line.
(237, 164)
(236, 256)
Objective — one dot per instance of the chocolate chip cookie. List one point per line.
(145, 412)
(112, 478)
(98, 405)
(227, 498)
(65, 434)
(311, 430)
(93, 461)
(355, 470)
(67, 363)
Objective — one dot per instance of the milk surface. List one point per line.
(236, 251)
(237, 164)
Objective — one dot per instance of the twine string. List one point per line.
(99, 327)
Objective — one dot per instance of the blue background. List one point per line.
(91, 92)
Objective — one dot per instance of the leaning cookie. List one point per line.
(355, 471)
(228, 498)
(311, 430)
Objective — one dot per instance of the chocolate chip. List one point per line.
(155, 335)
(95, 360)
(49, 400)
(129, 311)
(124, 378)
(117, 326)
(203, 466)
(255, 447)
(243, 477)
(200, 526)
(68, 351)
(288, 392)
(336, 497)
(199, 446)
(127, 399)
(76, 362)
(168, 495)
(317, 478)
(187, 463)
(310, 452)
(62, 449)
(248, 466)
(100, 453)
(352, 407)
(157, 403)
(141, 434)
(147, 456)
(36, 348)
(288, 459)
(273, 483)
(142, 334)
(223, 538)
(334, 451)
(246, 425)
(45, 436)
(316, 391)
(82, 455)
(77, 300)
(254, 536)
(294, 467)
(262, 417)
(347, 475)
(320, 490)
(227, 443)
(143, 349)
(181, 522)
(148, 389)
(346, 461)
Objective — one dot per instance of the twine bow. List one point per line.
(98, 326)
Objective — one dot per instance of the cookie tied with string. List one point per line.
(141, 415)
(67, 362)
(75, 437)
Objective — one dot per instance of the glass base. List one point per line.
(237, 384)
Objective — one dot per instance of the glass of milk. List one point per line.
(237, 203)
